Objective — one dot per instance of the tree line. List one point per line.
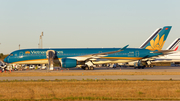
(2, 56)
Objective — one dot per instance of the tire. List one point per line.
(91, 68)
(83, 67)
(134, 67)
(86, 68)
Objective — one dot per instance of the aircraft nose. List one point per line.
(5, 60)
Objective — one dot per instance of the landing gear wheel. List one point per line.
(143, 67)
(134, 67)
(86, 68)
(83, 67)
(91, 68)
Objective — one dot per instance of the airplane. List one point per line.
(174, 56)
(88, 57)
(174, 45)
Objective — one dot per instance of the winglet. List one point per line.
(124, 48)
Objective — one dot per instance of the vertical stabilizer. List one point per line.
(174, 46)
(158, 41)
(151, 37)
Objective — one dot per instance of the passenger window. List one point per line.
(11, 54)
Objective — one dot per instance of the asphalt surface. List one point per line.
(103, 69)
(108, 69)
(117, 77)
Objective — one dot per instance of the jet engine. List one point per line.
(68, 63)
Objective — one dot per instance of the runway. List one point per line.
(104, 69)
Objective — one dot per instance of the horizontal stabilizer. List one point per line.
(165, 52)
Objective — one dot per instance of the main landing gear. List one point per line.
(139, 65)
(87, 67)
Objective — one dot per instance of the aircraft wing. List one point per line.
(105, 53)
(98, 55)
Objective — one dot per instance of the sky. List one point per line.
(85, 23)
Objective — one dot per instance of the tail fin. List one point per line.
(174, 46)
(157, 42)
(151, 37)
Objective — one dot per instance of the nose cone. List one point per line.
(5, 60)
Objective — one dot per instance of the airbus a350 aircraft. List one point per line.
(87, 57)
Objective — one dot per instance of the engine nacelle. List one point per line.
(68, 63)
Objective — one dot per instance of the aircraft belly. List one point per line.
(43, 61)
(37, 61)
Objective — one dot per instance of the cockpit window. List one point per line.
(11, 54)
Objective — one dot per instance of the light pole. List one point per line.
(40, 41)
(19, 46)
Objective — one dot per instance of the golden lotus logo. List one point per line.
(157, 44)
(27, 52)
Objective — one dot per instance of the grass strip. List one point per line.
(91, 90)
(15, 74)
(61, 80)
(87, 98)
